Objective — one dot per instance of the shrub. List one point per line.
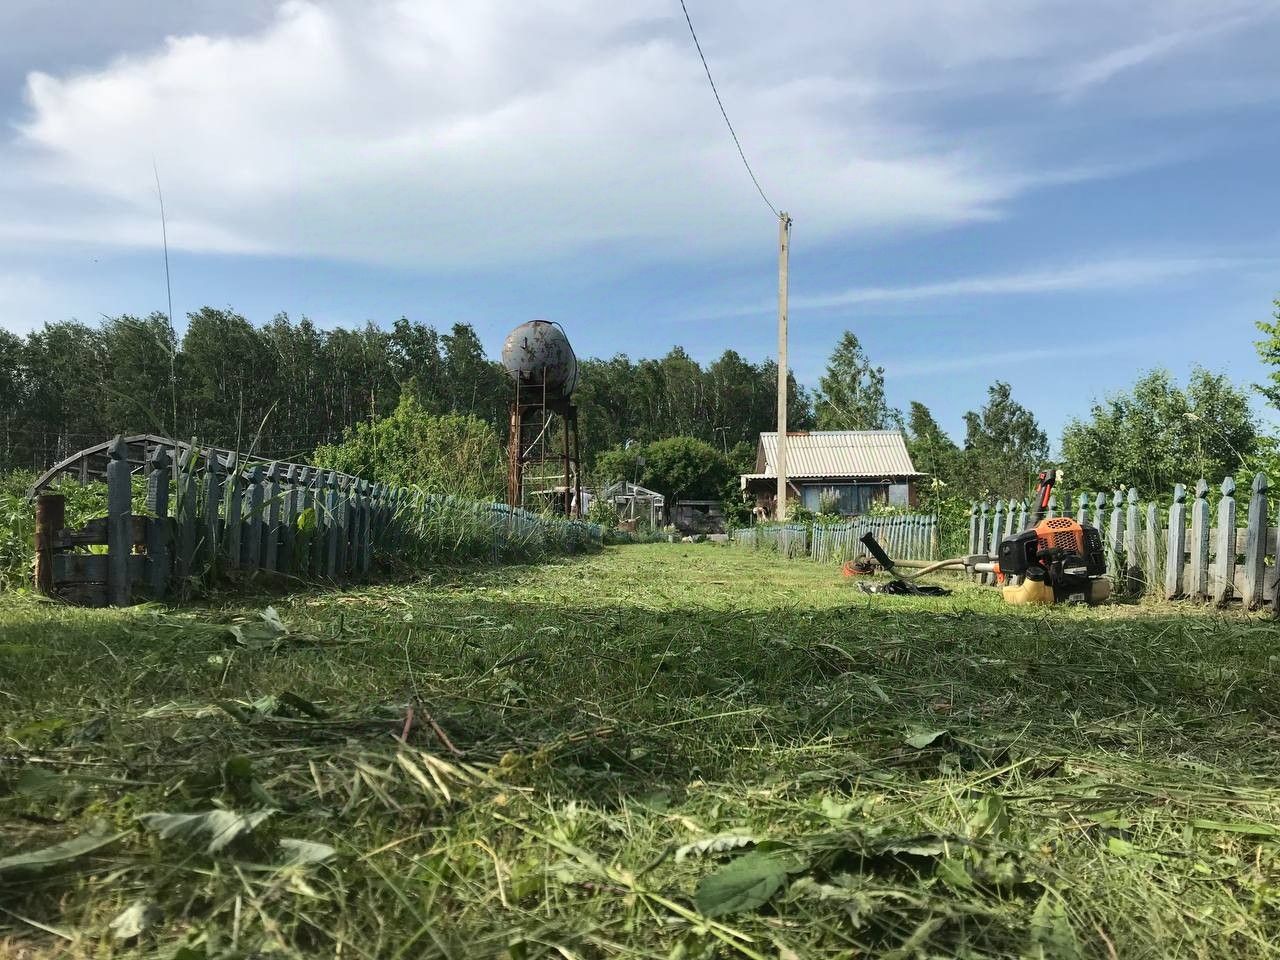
(603, 512)
(447, 454)
(680, 468)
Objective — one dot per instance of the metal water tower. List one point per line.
(541, 362)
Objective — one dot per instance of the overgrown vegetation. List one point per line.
(18, 521)
(452, 454)
(447, 531)
(1158, 434)
(659, 751)
(679, 468)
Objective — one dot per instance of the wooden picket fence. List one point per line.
(904, 537)
(1189, 550)
(218, 512)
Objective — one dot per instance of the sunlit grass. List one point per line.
(945, 777)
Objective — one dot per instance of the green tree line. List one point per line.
(286, 388)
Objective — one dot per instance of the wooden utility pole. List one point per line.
(784, 247)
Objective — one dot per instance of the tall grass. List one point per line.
(446, 529)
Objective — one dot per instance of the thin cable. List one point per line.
(168, 289)
(733, 133)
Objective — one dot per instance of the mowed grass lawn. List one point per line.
(656, 751)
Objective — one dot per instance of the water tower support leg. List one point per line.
(577, 462)
(515, 460)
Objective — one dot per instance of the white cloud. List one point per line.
(1101, 69)
(1104, 68)
(1118, 273)
(1103, 275)
(931, 366)
(436, 133)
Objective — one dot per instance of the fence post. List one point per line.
(213, 470)
(119, 524)
(320, 536)
(1176, 556)
(334, 529)
(159, 558)
(993, 543)
(1082, 508)
(366, 534)
(271, 517)
(1200, 542)
(983, 544)
(288, 519)
(233, 531)
(1255, 544)
(344, 518)
(186, 509)
(51, 516)
(1224, 563)
(1023, 507)
(1275, 583)
(303, 542)
(1152, 537)
(973, 527)
(253, 527)
(1115, 537)
(1135, 575)
(376, 518)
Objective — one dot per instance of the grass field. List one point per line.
(656, 751)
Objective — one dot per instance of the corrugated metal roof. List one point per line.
(839, 453)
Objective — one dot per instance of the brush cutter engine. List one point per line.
(1059, 559)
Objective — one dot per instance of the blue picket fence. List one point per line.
(904, 537)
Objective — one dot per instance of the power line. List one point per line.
(733, 133)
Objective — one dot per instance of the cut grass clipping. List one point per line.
(654, 751)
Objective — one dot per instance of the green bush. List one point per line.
(603, 512)
(451, 454)
(680, 468)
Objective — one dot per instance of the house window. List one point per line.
(851, 498)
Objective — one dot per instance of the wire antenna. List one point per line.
(733, 133)
(168, 290)
(164, 239)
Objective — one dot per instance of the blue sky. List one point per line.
(1058, 195)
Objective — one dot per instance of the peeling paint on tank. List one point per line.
(539, 351)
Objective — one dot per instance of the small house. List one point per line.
(855, 469)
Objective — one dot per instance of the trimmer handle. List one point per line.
(873, 545)
(1044, 491)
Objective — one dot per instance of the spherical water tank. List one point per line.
(538, 352)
